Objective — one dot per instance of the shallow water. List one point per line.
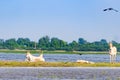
(59, 73)
(59, 57)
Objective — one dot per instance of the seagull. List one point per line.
(109, 9)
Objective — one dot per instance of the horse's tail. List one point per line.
(41, 53)
(41, 56)
(115, 50)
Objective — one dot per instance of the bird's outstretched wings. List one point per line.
(109, 9)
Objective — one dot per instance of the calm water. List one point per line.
(49, 73)
(60, 57)
(59, 73)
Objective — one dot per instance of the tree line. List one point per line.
(47, 43)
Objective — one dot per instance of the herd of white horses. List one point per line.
(112, 53)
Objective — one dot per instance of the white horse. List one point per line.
(112, 52)
(31, 58)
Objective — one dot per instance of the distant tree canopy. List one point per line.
(47, 43)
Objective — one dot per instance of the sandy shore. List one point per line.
(59, 73)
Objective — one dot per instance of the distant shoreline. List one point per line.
(55, 51)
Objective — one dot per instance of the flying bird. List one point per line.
(109, 9)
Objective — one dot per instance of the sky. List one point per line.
(65, 19)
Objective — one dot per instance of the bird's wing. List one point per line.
(105, 9)
(110, 9)
(115, 10)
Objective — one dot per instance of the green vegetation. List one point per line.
(53, 52)
(55, 64)
(55, 45)
(52, 44)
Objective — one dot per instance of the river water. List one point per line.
(60, 57)
(59, 73)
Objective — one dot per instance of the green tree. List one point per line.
(81, 41)
(33, 45)
(11, 44)
(24, 43)
(63, 44)
(20, 41)
(44, 42)
(103, 41)
(27, 42)
(74, 45)
(1, 43)
(57, 43)
(100, 45)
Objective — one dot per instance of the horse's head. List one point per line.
(110, 44)
(28, 56)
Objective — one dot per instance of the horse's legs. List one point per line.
(114, 58)
(110, 58)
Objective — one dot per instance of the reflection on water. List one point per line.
(59, 57)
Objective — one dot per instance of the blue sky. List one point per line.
(65, 19)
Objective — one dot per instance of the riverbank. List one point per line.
(56, 64)
(54, 52)
(59, 73)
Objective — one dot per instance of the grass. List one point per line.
(53, 52)
(55, 64)
(37, 51)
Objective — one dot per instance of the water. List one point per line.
(59, 73)
(59, 57)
